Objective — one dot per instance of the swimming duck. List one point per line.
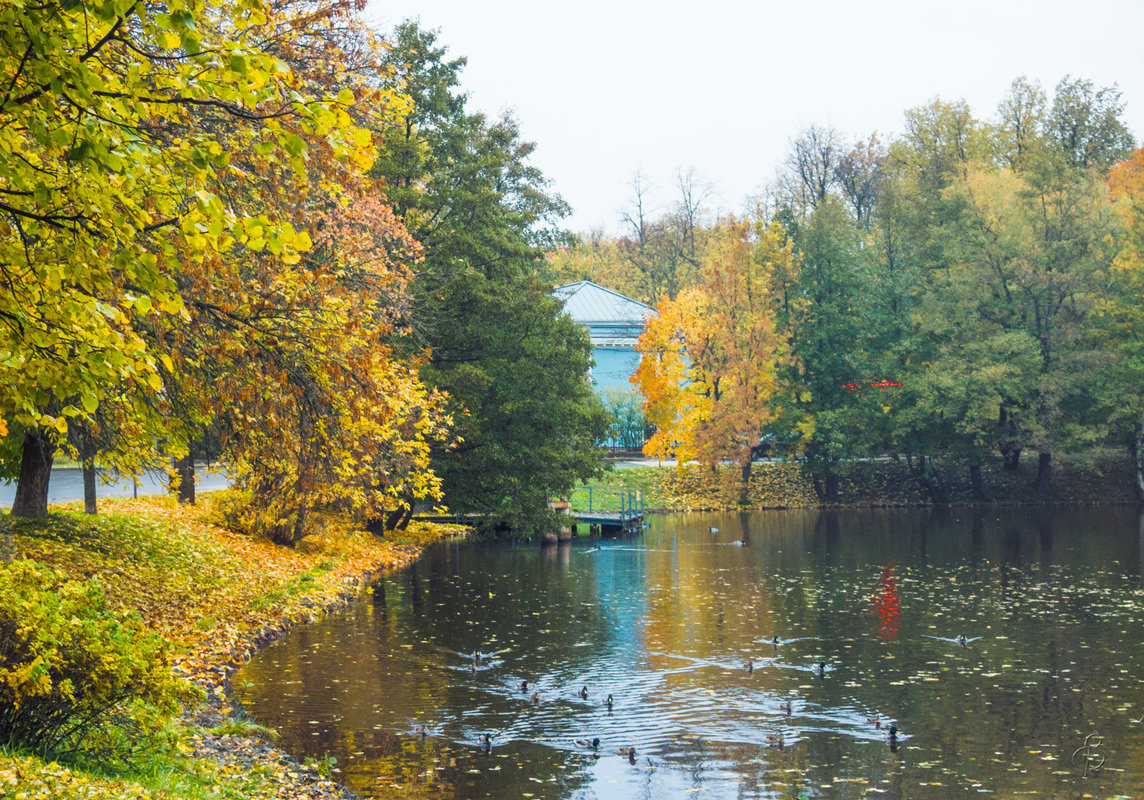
(535, 697)
(487, 741)
(775, 739)
(893, 738)
(608, 702)
(820, 668)
(712, 529)
(627, 751)
(524, 686)
(875, 720)
(594, 744)
(749, 666)
(584, 693)
(785, 707)
(774, 641)
(421, 731)
(961, 640)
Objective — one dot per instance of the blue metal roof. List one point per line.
(609, 316)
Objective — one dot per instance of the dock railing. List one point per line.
(608, 506)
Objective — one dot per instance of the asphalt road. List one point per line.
(66, 484)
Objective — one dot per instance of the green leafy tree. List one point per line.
(513, 364)
(1085, 124)
(829, 332)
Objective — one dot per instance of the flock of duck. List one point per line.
(777, 740)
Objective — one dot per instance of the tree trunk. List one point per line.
(1044, 473)
(185, 475)
(398, 519)
(89, 504)
(976, 484)
(1010, 450)
(87, 461)
(745, 491)
(827, 487)
(403, 523)
(930, 480)
(299, 531)
(35, 473)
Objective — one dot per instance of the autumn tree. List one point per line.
(710, 358)
(107, 182)
(295, 358)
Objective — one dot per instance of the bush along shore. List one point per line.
(122, 631)
(1099, 477)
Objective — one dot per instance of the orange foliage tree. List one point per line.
(711, 357)
(291, 350)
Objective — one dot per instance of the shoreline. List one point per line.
(304, 585)
(223, 598)
(220, 662)
(219, 706)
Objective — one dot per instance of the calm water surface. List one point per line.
(1050, 601)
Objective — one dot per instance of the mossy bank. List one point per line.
(1097, 477)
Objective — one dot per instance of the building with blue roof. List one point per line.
(614, 323)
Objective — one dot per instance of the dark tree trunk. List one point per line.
(930, 480)
(185, 475)
(89, 503)
(87, 459)
(398, 519)
(35, 473)
(745, 491)
(826, 485)
(976, 484)
(1044, 473)
(1010, 450)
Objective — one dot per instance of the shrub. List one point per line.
(76, 675)
(237, 510)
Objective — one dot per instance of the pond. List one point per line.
(1045, 697)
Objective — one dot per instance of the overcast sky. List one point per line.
(607, 89)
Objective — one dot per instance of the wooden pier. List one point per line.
(611, 510)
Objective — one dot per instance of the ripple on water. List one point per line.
(665, 623)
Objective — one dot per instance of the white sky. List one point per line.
(609, 88)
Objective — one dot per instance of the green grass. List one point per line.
(605, 490)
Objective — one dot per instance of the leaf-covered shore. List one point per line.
(216, 596)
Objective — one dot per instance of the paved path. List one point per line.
(66, 484)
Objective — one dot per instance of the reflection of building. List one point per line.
(614, 322)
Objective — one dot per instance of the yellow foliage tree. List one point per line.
(711, 357)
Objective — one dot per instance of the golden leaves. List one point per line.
(709, 357)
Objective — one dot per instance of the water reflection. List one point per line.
(769, 659)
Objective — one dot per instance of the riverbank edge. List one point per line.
(1095, 478)
(210, 666)
(220, 706)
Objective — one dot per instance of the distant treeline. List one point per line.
(970, 290)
